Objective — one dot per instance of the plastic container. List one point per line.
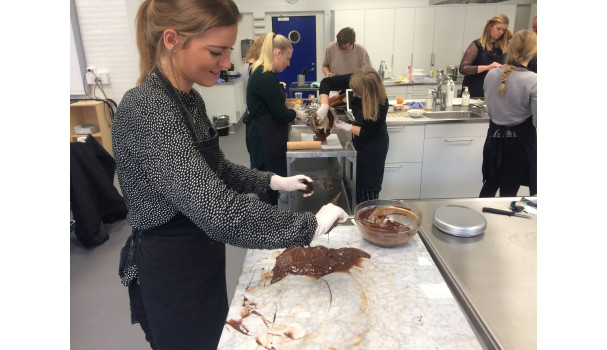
(465, 97)
(449, 94)
(429, 101)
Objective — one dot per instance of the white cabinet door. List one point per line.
(406, 143)
(452, 167)
(395, 91)
(401, 181)
(448, 36)
(423, 38)
(379, 36)
(476, 19)
(354, 19)
(453, 158)
(404, 20)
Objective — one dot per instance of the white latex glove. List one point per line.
(300, 116)
(327, 216)
(291, 183)
(321, 113)
(343, 125)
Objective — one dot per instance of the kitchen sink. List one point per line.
(453, 115)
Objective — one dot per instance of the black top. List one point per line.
(476, 56)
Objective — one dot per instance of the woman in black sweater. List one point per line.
(369, 130)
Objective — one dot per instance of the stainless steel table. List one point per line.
(336, 164)
(493, 275)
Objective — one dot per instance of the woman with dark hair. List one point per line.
(484, 54)
(510, 151)
(184, 199)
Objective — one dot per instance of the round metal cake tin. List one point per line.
(458, 220)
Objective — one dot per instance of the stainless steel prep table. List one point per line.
(322, 164)
(493, 275)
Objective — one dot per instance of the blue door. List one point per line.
(301, 31)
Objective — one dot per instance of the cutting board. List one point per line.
(397, 299)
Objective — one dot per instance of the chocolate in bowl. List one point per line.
(387, 223)
(322, 130)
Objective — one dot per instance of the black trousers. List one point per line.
(513, 172)
(181, 302)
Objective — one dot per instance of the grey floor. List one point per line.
(99, 304)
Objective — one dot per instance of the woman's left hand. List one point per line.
(290, 184)
(342, 125)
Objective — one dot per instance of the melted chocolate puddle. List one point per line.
(316, 261)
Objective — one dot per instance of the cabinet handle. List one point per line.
(396, 127)
(459, 140)
(393, 166)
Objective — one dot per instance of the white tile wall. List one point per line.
(108, 41)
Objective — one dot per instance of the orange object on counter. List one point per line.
(400, 101)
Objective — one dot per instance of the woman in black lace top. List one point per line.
(484, 54)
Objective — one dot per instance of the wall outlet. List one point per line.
(93, 74)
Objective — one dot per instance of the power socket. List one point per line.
(92, 74)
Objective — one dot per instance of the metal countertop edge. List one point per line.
(483, 330)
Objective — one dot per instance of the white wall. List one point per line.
(108, 35)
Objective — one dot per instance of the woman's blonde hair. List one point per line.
(522, 47)
(253, 53)
(266, 57)
(502, 42)
(189, 18)
(367, 84)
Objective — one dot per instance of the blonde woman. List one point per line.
(510, 152)
(184, 199)
(268, 129)
(369, 130)
(484, 54)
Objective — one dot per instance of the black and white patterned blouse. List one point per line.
(161, 173)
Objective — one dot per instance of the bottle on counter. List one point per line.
(465, 97)
(449, 95)
(429, 101)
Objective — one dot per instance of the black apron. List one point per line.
(526, 134)
(274, 136)
(179, 296)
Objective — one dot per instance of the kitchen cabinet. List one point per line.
(379, 36)
(438, 35)
(423, 37)
(354, 19)
(403, 40)
(453, 160)
(93, 112)
(403, 168)
(448, 35)
(224, 99)
(395, 91)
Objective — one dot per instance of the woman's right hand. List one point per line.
(329, 215)
(322, 112)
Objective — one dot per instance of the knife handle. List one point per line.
(497, 211)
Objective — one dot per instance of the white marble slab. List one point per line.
(397, 300)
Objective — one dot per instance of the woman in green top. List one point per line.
(268, 129)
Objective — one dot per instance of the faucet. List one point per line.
(382, 69)
(440, 79)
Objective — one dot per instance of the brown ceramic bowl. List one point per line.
(387, 223)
